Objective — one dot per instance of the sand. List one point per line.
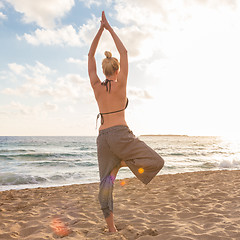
(200, 205)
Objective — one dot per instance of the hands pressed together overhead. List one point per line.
(104, 22)
(92, 69)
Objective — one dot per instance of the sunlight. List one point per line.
(233, 138)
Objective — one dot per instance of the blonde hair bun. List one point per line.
(108, 54)
(110, 64)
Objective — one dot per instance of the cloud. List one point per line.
(45, 13)
(36, 81)
(140, 13)
(88, 31)
(36, 74)
(47, 106)
(16, 110)
(31, 77)
(216, 3)
(11, 91)
(137, 93)
(27, 110)
(79, 62)
(133, 38)
(3, 75)
(66, 35)
(161, 22)
(3, 16)
(71, 86)
(40, 68)
(16, 68)
(89, 3)
(163, 13)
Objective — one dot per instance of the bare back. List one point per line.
(111, 101)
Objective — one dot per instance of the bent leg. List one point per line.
(146, 164)
(143, 161)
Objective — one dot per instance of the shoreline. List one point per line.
(192, 205)
(97, 182)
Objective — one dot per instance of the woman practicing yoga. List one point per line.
(116, 144)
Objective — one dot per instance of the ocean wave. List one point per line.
(40, 155)
(86, 164)
(5, 157)
(169, 167)
(229, 164)
(9, 179)
(15, 151)
(63, 163)
(54, 163)
(19, 179)
(208, 165)
(82, 148)
(194, 153)
(56, 178)
(65, 176)
(177, 154)
(50, 164)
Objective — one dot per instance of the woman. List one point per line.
(116, 144)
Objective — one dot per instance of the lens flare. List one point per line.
(122, 183)
(59, 228)
(141, 170)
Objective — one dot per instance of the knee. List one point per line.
(105, 190)
(103, 196)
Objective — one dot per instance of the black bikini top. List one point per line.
(108, 89)
(106, 83)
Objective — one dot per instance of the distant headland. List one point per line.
(163, 135)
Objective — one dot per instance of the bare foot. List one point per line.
(110, 223)
(113, 229)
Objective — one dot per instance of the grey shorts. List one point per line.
(118, 143)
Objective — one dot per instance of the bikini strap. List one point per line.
(101, 114)
(106, 83)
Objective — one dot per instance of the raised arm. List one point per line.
(92, 69)
(120, 47)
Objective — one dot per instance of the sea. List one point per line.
(31, 162)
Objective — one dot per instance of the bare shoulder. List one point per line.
(94, 80)
(122, 80)
(97, 89)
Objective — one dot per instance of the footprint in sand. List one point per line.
(149, 231)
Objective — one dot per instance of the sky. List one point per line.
(184, 72)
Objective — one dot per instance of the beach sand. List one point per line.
(199, 205)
